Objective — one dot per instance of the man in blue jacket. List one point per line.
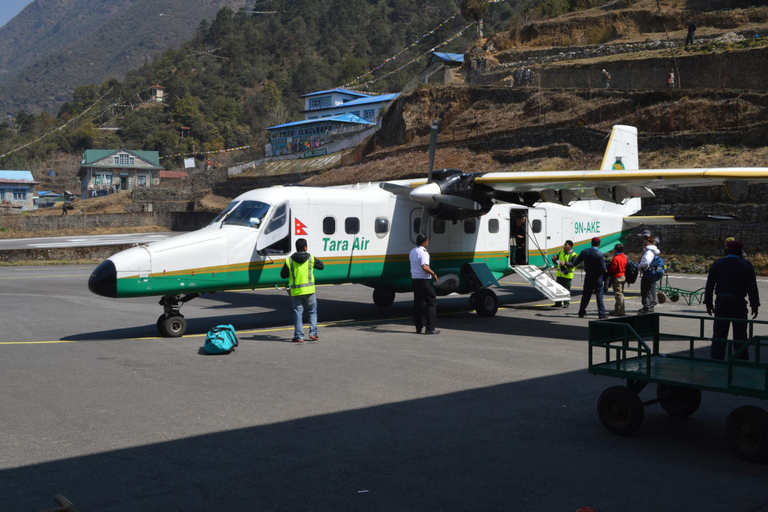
(731, 279)
(594, 270)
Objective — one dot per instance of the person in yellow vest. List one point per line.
(299, 269)
(564, 274)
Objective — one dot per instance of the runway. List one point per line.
(492, 414)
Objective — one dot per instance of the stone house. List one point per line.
(16, 189)
(103, 171)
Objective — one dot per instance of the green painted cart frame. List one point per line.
(629, 348)
(664, 291)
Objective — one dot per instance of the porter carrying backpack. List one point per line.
(655, 270)
(222, 339)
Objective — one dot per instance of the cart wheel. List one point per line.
(620, 410)
(678, 401)
(747, 428)
(661, 297)
(674, 298)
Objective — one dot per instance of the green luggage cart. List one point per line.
(630, 348)
(665, 291)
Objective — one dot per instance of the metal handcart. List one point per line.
(629, 348)
(664, 292)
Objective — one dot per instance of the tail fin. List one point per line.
(621, 152)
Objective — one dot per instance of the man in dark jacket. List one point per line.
(299, 268)
(594, 269)
(731, 279)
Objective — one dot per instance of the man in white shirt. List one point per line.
(423, 291)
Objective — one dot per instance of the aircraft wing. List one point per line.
(614, 185)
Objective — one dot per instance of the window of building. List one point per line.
(124, 159)
(369, 115)
(470, 226)
(322, 102)
(141, 181)
(381, 227)
(329, 225)
(438, 226)
(493, 225)
(352, 225)
(20, 195)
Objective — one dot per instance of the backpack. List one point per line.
(222, 339)
(630, 273)
(655, 270)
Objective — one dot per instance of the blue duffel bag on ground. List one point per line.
(222, 339)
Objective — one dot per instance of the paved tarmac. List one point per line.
(492, 414)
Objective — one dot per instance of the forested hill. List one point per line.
(245, 70)
(54, 45)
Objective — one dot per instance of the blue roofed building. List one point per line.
(329, 116)
(442, 68)
(16, 189)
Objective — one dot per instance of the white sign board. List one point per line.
(189, 163)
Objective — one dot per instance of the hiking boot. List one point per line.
(297, 340)
(642, 311)
(433, 331)
(314, 337)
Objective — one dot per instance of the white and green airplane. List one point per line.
(363, 233)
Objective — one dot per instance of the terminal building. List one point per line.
(104, 171)
(328, 116)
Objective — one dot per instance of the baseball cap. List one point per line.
(596, 240)
(735, 245)
(645, 232)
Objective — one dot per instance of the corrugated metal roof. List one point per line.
(449, 57)
(344, 118)
(382, 98)
(339, 90)
(20, 177)
(91, 156)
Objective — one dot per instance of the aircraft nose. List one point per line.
(103, 280)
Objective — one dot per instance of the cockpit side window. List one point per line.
(247, 213)
(279, 218)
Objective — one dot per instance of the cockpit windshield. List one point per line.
(245, 213)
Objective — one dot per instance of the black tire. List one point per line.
(674, 298)
(383, 297)
(661, 297)
(160, 321)
(678, 401)
(620, 410)
(174, 326)
(486, 303)
(747, 428)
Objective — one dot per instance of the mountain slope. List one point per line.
(54, 45)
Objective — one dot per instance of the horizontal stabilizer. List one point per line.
(660, 220)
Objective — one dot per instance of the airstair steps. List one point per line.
(542, 282)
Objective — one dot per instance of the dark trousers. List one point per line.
(565, 283)
(592, 284)
(424, 292)
(725, 308)
(648, 292)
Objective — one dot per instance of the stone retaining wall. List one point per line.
(174, 221)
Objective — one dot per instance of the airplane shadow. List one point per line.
(528, 445)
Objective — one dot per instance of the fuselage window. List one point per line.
(329, 225)
(438, 226)
(352, 225)
(416, 224)
(278, 219)
(249, 214)
(381, 227)
(493, 225)
(536, 226)
(470, 226)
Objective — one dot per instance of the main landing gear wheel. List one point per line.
(172, 326)
(485, 302)
(383, 297)
(678, 401)
(747, 428)
(620, 410)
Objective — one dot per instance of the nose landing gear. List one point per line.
(171, 323)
